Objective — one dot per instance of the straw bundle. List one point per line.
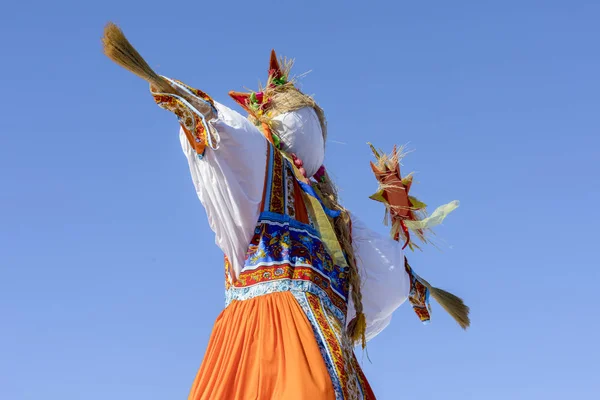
(452, 304)
(120, 50)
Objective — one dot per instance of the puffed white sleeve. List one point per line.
(229, 181)
(385, 284)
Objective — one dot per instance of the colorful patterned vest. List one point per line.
(293, 250)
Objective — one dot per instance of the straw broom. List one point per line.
(452, 304)
(119, 50)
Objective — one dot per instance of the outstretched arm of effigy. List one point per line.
(227, 158)
(226, 153)
(409, 219)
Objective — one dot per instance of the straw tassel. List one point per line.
(453, 305)
(357, 329)
(121, 51)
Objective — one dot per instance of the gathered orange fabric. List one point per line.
(263, 348)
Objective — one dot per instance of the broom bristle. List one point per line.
(453, 305)
(118, 49)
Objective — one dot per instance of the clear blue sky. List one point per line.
(109, 278)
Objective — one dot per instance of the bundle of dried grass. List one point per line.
(388, 162)
(452, 304)
(121, 51)
(118, 49)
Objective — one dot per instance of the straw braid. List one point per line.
(342, 224)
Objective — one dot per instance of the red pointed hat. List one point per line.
(252, 102)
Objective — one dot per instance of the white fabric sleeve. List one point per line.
(229, 181)
(385, 284)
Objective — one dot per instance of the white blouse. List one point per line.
(229, 183)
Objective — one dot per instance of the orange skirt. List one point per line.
(263, 348)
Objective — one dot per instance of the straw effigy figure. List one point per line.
(305, 280)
